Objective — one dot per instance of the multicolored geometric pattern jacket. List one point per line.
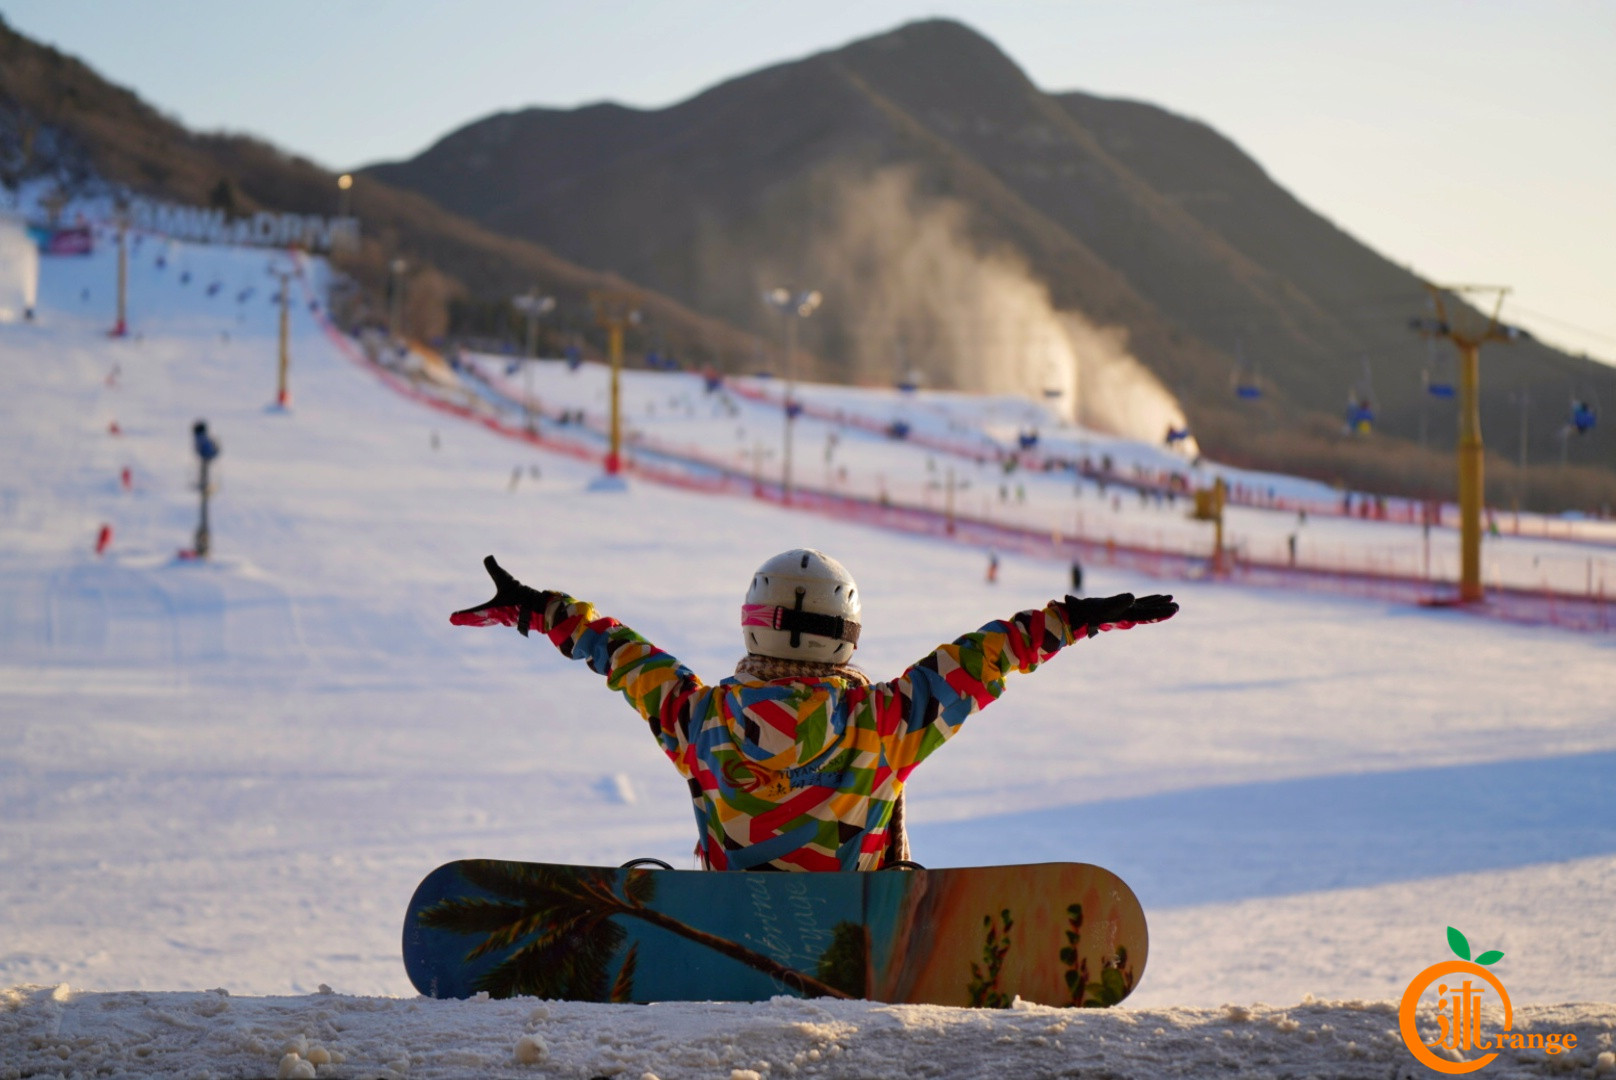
(796, 774)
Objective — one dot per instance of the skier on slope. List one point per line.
(797, 761)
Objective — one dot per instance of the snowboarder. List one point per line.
(797, 761)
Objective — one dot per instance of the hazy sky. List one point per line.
(1474, 141)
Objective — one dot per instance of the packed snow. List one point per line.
(222, 778)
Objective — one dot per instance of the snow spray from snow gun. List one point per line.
(905, 272)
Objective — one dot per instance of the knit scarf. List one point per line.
(770, 668)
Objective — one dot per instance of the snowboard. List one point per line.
(1062, 934)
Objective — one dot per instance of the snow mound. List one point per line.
(59, 1031)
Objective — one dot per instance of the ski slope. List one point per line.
(961, 456)
(231, 774)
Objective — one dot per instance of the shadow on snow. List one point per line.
(1274, 838)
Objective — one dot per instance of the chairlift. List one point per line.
(1247, 387)
(1361, 404)
(1438, 373)
(1360, 416)
(1584, 415)
(1583, 418)
(909, 377)
(1438, 387)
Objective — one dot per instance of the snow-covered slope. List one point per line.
(231, 773)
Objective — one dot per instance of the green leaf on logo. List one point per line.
(1457, 942)
(1491, 957)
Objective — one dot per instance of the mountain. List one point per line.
(59, 118)
(962, 222)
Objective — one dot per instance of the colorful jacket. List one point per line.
(797, 774)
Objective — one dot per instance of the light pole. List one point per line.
(534, 307)
(1520, 496)
(1471, 492)
(283, 396)
(793, 306)
(121, 327)
(344, 186)
(395, 314)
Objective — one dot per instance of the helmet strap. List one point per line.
(796, 624)
(800, 622)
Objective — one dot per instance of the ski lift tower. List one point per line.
(1468, 332)
(615, 310)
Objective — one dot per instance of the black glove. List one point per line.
(1121, 611)
(508, 592)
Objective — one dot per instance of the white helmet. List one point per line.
(803, 605)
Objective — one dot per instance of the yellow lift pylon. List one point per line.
(615, 310)
(1471, 488)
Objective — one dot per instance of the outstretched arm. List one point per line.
(925, 706)
(656, 684)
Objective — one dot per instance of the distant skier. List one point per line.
(797, 761)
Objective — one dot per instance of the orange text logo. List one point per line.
(1464, 989)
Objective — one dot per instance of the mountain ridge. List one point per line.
(1152, 226)
(961, 222)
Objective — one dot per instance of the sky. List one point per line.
(1472, 141)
